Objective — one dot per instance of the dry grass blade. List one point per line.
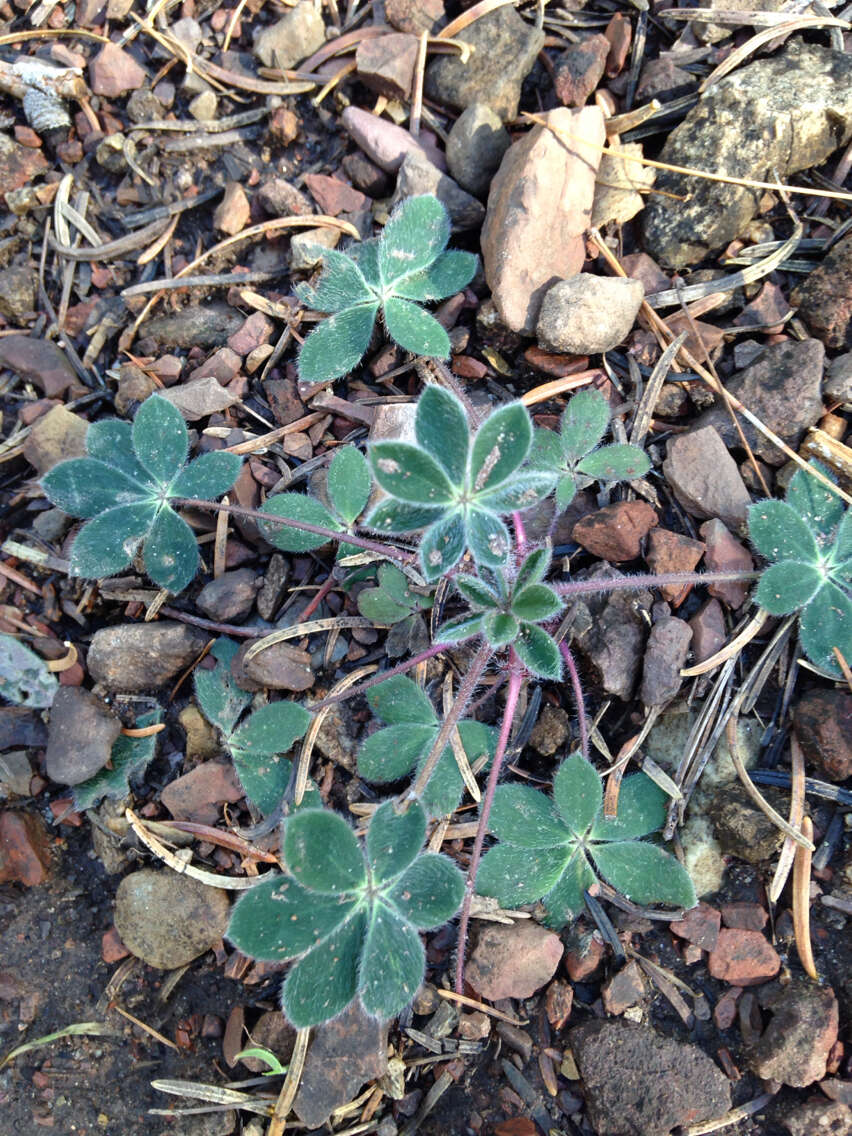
(733, 1117)
(157, 1036)
(463, 1000)
(730, 650)
(483, 8)
(213, 1094)
(456, 743)
(291, 1084)
(796, 817)
(740, 54)
(557, 387)
(802, 902)
(304, 763)
(311, 627)
(57, 666)
(160, 243)
(417, 88)
(230, 883)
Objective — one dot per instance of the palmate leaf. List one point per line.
(415, 235)
(577, 793)
(567, 898)
(349, 483)
(338, 344)
(500, 628)
(87, 487)
(321, 852)
(399, 700)
(500, 446)
(323, 982)
(538, 652)
(459, 629)
(533, 569)
(341, 284)
(447, 275)
(415, 330)
(410, 474)
(160, 438)
(525, 818)
(641, 809)
(786, 586)
(110, 440)
(391, 753)
(513, 875)
(279, 919)
(107, 544)
(443, 545)
(487, 537)
(400, 517)
(256, 748)
(826, 623)
(819, 508)
(615, 463)
(536, 602)
(393, 841)
(220, 698)
(210, 475)
(392, 963)
(520, 492)
(779, 533)
(429, 892)
(477, 593)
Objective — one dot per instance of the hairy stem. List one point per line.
(321, 592)
(269, 518)
(399, 669)
(463, 697)
(512, 695)
(520, 535)
(577, 688)
(648, 580)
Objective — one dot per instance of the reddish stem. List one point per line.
(578, 698)
(322, 592)
(512, 694)
(520, 535)
(399, 669)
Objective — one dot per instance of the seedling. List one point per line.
(349, 916)
(129, 757)
(553, 850)
(276, 1069)
(572, 452)
(410, 731)
(808, 540)
(456, 486)
(507, 613)
(256, 745)
(123, 489)
(390, 274)
(24, 675)
(392, 600)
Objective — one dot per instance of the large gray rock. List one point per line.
(81, 735)
(475, 147)
(141, 656)
(167, 919)
(786, 113)
(586, 314)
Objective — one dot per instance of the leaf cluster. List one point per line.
(574, 450)
(123, 489)
(402, 745)
(808, 540)
(392, 599)
(350, 917)
(553, 849)
(507, 613)
(407, 265)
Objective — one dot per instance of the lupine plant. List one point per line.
(392, 274)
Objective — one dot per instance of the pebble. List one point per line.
(198, 325)
(475, 147)
(230, 598)
(38, 361)
(141, 656)
(385, 143)
(586, 314)
(291, 39)
(638, 1083)
(204, 107)
(578, 70)
(16, 773)
(199, 398)
(782, 387)
(802, 1030)
(416, 16)
(365, 175)
(232, 213)
(284, 126)
(619, 188)
(584, 952)
(223, 365)
(18, 297)
(113, 72)
(558, 1002)
(198, 795)
(624, 989)
(279, 667)
(824, 299)
(24, 849)
(417, 175)
(700, 926)
(726, 553)
(742, 828)
(551, 730)
(539, 206)
(256, 330)
(705, 478)
(305, 254)
(505, 50)
(822, 723)
(838, 383)
(672, 552)
(80, 736)
(334, 196)
(386, 64)
(513, 961)
(281, 199)
(168, 919)
(271, 1031)
(665, 655)
(57, 435)
(709, 632)
(344, 1054)
(615, 532)
(201, 739)
(743, 958)
(744, 916)
(662, 79)
(725, 1010)
(613, 636)
(134, 386)
(820, 1116)
(788, 113)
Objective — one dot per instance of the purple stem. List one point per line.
(399, 669)
(578, 698)
(648, 580)
(520, 535)
(512, 694)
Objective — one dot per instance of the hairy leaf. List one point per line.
(107, 544)
(321, 852)
(522, 491)
(349, 483)
(160, 437)
(341, 285)
(566, 899)
(209, 476)
(337, 344)
(641, 809)
(398, 517)
(523, 817)
(87, 487)
(441, 428)
(129, 757)
(219, 696)
(393, 840)
(584, 423)
(170, 551)
(442, 545)
(415, 330)
(577, 793)
(500, 446)
(779, 533)
(645, 873)
(391, 753)
(476, 592)
(410, 474)
(826, 623)
(448, 274)
(415, 235)
(819, 508)
(393, 963)
(536, 602)
(459, 629)
(429, 892)
(303, 509)
(533, 570)
(539, 653)
(488, 538)
(279, 919)
(111, 441)
(323, 982)
(566, 491)
(786, 586)
(500, 628)
(615, 463)
(400, 700)
(515, 875)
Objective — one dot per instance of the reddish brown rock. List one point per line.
(281, 199)
(199, 794)
(284, 126)
(334, 196)
(672, 552)
(36, 360)
(700, 926)
(558, 366)
(386, 63)
(513, 961)
(726, 554)
(619, 33)
(578, 70)
(795, 1045)
(416, 16)
(725, 1010)
(113, 72)
(232, 213)
(822, 722)
(743, 958)
(639, 266)
(824, 299)
(24, 855)
(112, 948)
(624, 989)
(708, 631)
(615, 532)
(257, 329)
(384, 142)
(558, 1002)
(584, 952)
(745, 916)
(18, 165)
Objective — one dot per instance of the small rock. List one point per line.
(621, 187)
(705, 478)
(624, 989)
(475, 1026)
(134, 386)
(284, 126)
(516, 1126)
(743, 958)
(816, 1117)
(18, 296)
(24, 852)
(822, 722)
(223, 365)
(230, 598)
(281, 199)
(306, 250)
(167, 919)
(768, 308)
(386, 64)
(725, 1010)
(578, 70)
(113, 72)
(783, 389)
(726, 554)
(613, 638)
(257, 330)
(665, 655)
(416, 16)
(744, 916)
(199, 398)
(279, 667)
(344, 1054)
(709, 633)
(638, 1083)
(838, 384)
(37, 361)
(584, 952)
(201, 740)
(81, 735)
(586, 314)
(142, 656)
(232, 213)
(742, 828)
(505, 49)
(112, 948)
(662, 79)
(291, 39)
(551, 730)
(20, 726)
(385, 143)
(334, 196)
(58, 435)
(366, 176)
(539, 206)
(194, 326)
(824, 299)
(699, 926)
(619, 34)
(18, 166)
(794, 1047)
(198, 795)
(204, 107)
(558, 1002)
(615, 532)
(513, 961)
(475, 147)
(672, 552)
(417, 175)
